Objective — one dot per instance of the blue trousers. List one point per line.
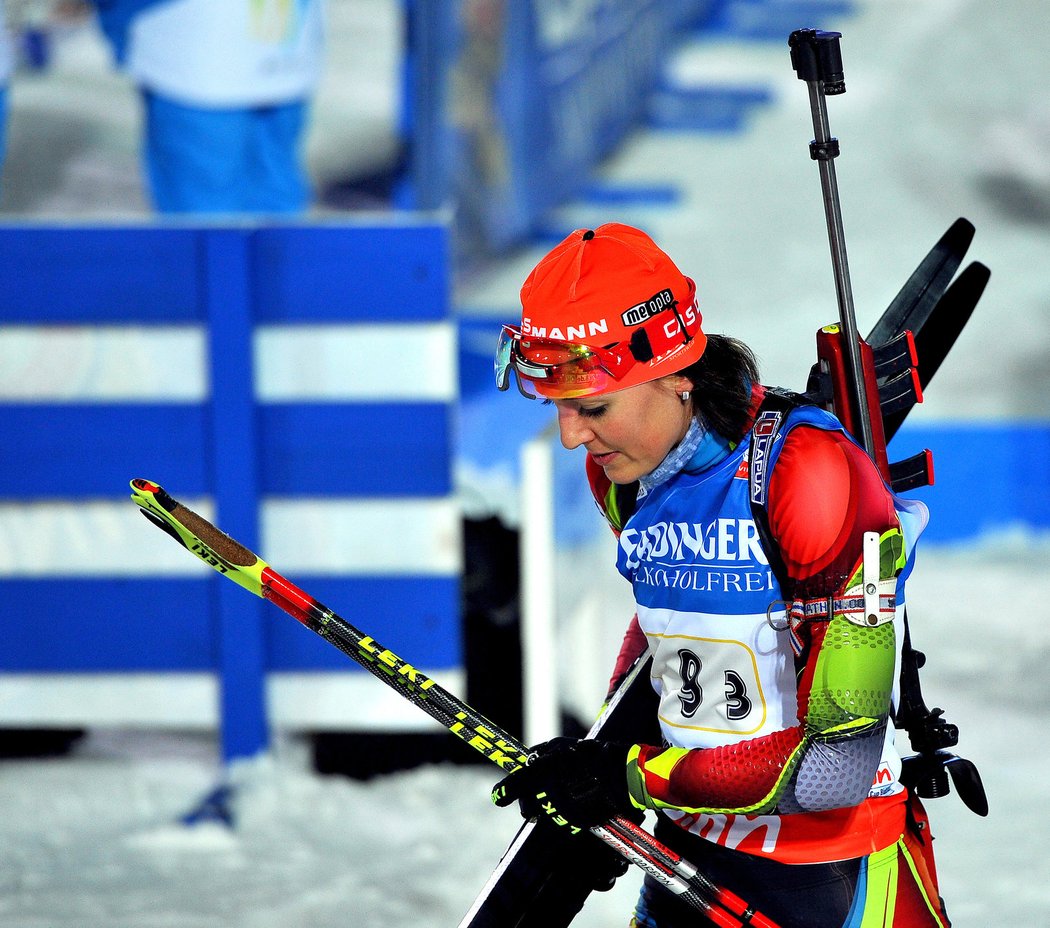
(238, 160)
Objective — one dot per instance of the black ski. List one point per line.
(912, 338)
(913, 304)
(529, 888)
(936, 334)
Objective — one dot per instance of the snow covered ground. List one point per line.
(945, 115)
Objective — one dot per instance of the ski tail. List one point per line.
(935, 337)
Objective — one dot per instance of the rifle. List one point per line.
(871, 385)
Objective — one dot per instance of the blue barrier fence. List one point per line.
(294, 383)
(508, 108)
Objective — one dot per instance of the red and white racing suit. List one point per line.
(774, 701)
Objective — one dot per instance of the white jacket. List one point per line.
(228, 53)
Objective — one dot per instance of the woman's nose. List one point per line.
(574, 430)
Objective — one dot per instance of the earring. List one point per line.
(685, 396)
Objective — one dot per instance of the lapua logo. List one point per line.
(764, 433)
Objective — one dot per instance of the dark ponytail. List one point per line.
(722, 381)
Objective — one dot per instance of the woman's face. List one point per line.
(629, 432)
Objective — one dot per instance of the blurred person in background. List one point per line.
(771, 762)
(226, 87)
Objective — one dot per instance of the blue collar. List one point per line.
(697, 451)
(712, 450)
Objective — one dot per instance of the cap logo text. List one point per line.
(658, 302)
(570, 333)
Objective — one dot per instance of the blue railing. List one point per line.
(297, 383)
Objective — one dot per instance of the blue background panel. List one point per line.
(417, 618)
(356, 450)
(1005, 461)
(369, 274)
(67, 624)
(84, 450)
(55, 275)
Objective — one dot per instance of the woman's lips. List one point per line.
(604, 459)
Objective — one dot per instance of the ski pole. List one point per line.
(817, 60)
(231, 559)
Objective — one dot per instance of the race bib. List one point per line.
(711, 684)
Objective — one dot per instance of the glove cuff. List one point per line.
(648, 765)
(636, 790)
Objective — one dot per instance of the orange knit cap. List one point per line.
(614, 286)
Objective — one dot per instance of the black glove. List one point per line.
(601, 866)
(585, 861)
(572, 783)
